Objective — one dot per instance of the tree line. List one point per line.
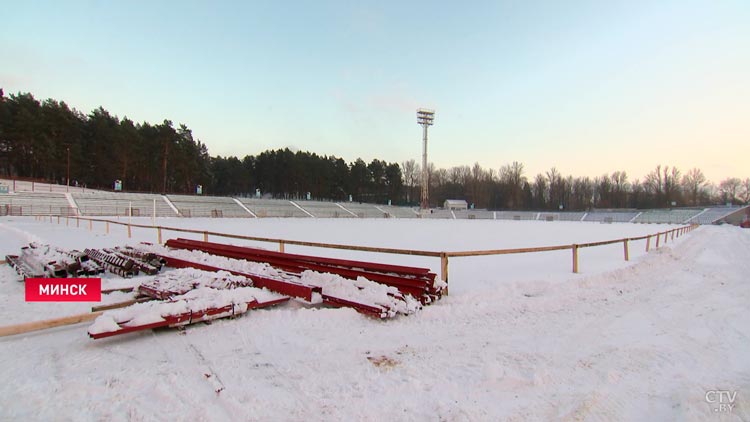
(510, 188)
(47, 140)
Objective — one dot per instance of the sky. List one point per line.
(588, 87)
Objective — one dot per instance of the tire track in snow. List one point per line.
(14, 238)
(178, 374)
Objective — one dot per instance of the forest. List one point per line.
(49, 141)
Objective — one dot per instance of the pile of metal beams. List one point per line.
(214, 280)
(181, 298)
(417, 282)
(125, 261)
(37, 260)
(407, 283)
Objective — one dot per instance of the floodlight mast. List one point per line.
(425, 118)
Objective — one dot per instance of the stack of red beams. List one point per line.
(289, 286)
(417, 282)
(164, 295)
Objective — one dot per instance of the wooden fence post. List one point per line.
(91, 225)
(130, 233)
(158, 235)
(625, 247)
(575, 258)
(205, 236)
(658, 237)
(444, 270)
(107, 227)
(281, 246)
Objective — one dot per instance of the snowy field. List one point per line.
(519, 338)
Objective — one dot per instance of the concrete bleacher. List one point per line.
(35, 203)
(667, 216)
(363, 210)
(272, 208)
(321, 209)
(561, 216)
(474, 214)
(15, 185)
(516, 215)
(601, 216)
(400, 212)
(31, 198)
(438, 213)
(713, 215)
(103, 203)
(207, 206)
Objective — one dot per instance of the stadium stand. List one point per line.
(272, 208)
(322, 209)
(714, 215)
(46, 199)
(438, 213)
(474, 214)
(603, 216)
(400, 212)
(667, 216)
(101, 203)
(207, 206)
(516, 215)
(35, 203)
(16, 185)
(363, 210)
(561, 216)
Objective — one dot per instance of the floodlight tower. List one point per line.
(425, 118)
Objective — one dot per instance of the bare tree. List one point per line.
(745, 194)
(619, 189)
(603, 192)
(540, 193)
(554, 178)
(582, 193)
(664, 185)
(729, 189)
(672, 193)
(411, 171)
(512, 176)
(693, 184)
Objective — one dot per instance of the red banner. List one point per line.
(63, 289)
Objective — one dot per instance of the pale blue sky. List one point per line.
(586, 86)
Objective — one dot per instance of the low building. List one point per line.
(455, 204)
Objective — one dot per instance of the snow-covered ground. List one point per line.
(519, 338)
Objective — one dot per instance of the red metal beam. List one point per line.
(285, 287)
(408, 284)
(188, 318)
(367, 266)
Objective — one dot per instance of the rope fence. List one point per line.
(444, 256)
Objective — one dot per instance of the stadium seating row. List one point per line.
(102, 203)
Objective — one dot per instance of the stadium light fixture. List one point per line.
(425, 118)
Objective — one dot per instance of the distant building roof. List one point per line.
(455, 203)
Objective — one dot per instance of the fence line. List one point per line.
(444, 255)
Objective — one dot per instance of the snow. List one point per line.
(182, 280)
(519, 337)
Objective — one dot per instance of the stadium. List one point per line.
(616, 332)
(317, 245)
